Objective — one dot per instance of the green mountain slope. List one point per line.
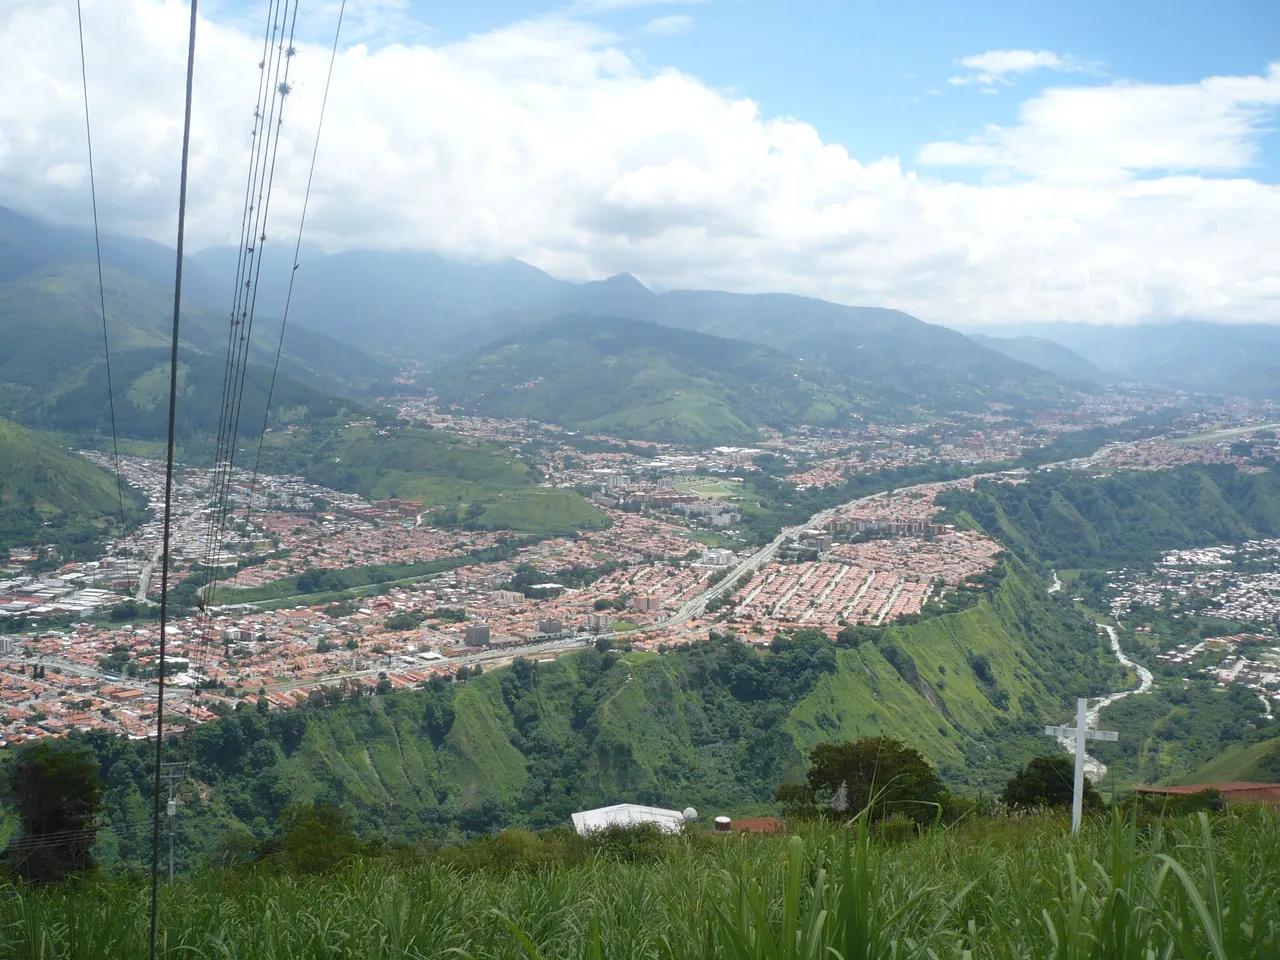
(420, 305)
(52, 374)
(1074, 520)
(644, 381)
(1045, 355)
(50, 495)
(717, 725)
(1247, 763)
(466, 482)
(888, 354)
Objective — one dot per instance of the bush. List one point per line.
(314, 838)
(1048, 781)
(897, 828)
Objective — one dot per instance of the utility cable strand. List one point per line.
(297, 248)
(168, 475)
(281, 85)
(97, 249)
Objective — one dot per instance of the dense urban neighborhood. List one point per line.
(672, 563)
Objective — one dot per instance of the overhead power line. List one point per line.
(168, 473)
(274, 87)
(297, 249)
(97, 249)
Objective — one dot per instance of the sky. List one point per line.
(973, 163)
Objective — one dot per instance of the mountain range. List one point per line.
(1190, 355)
(355, 314)
(434, 310)
(643, 381)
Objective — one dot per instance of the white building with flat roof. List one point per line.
(627, 815)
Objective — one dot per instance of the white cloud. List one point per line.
(668, 26)
(999, 66)
(544, 141)
(1100, 133)
(593, 6)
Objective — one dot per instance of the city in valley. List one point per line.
(676, 562)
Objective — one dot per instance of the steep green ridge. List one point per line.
(1241, 763)
(468, 482)
(716, 725)
(1074, 520)
(643, 381)
(50, 495)
(140, 379)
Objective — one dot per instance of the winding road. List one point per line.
(1095, 769)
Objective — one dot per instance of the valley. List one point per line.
(607, 543)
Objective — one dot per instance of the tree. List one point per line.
(56, 792)
(1048, 781)
(403, 621)
(879, 774)
(316, 838)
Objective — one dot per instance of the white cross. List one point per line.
(1080, 732)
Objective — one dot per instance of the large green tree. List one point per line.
(316, 837)
(878, 774)
(57, 795)
(1047, 782)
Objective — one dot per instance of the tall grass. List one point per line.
(1185, 888)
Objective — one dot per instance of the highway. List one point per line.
(148, 569)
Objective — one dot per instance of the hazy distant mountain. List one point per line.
(28, 245)
(644, 381)
(1240, 359)
(50, 320)
(53, 375)
(423, 306)
(1047, 355)
(399, 301)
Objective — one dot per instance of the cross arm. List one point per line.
(1109, 735)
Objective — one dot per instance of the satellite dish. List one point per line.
(690, 814)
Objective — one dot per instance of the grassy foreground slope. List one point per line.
(1185, 890)
(718, 726)
(50, 495)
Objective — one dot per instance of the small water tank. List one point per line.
(723, 823)
(689, 814)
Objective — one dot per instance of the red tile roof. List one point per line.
(757, 825)
(1236, 790)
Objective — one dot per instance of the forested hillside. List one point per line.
(643, 381)
(1075, 520)
(53, 375)
(718, 725)
(1045, 355)
(50, 495)
(462, 481)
